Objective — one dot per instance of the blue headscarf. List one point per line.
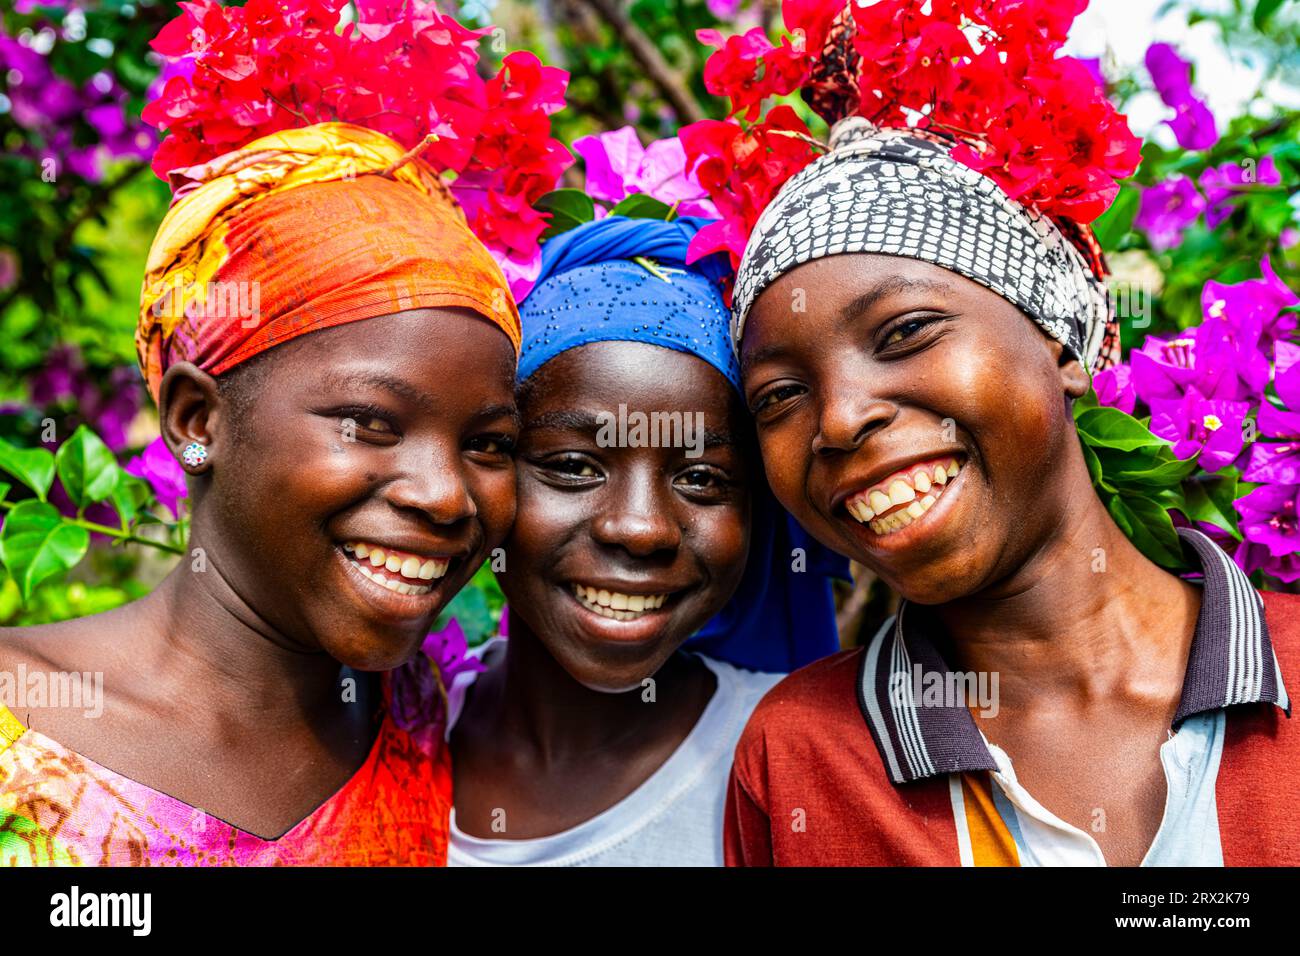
(591, 290)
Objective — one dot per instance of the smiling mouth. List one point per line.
(895, 502)
(616, 605)
(398, 571)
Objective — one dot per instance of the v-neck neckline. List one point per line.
(41, 740)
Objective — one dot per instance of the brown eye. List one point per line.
(373, 423)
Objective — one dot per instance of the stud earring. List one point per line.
(194, 454)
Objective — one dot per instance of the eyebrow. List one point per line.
(893, 285)
(405, 390)
(342, 381)
(889, 287)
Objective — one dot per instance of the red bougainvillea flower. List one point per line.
(403, 69)
(742, 169)
(987, 73)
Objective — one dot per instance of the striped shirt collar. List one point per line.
(903, 678)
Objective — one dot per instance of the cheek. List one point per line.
(1010, 399)
(786, 455)
(720, 540)
(544, 520)
(493, 491)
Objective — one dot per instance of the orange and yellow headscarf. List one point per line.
(301, 230)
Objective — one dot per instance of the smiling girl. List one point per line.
(348, 452)
(917, 418)
(593, 737)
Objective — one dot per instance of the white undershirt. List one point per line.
(674, 818)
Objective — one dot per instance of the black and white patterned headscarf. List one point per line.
(895, 192)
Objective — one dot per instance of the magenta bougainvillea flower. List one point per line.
(1114, 387)
(1221, 361)
(1221, 183)
(1270, 300)
(163, 473)
(1199, 427)
(619, 166)
(1167, 209)
(1270, 517)
(1193, 123)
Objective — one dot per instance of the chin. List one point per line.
(374, 652)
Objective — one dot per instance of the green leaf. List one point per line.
(34, 467)
(1210, 499)
(86, 467)
(568, 208)
(4, 489)
(641, 206)
(1110, 428)
(36, 543)
(1264, 11)
(1149, 527)
(1116, 222)
(130, 494)
(1145, 468)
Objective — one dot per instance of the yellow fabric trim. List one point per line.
(990, 841)
(190, 245)
(11, 728)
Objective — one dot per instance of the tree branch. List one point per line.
(670, 83)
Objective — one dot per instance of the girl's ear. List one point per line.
(189, 411)
(1074, 378)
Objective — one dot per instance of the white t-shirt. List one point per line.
(673, 819)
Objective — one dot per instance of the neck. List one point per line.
(249, 671)
(538, 703)
(1086, 614)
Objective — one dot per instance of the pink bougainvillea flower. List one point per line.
(1269, 517)
(619, 166)
(163, 474)
(1193, 123)
(1167, 209)
(1209, 430)
(1227, 180)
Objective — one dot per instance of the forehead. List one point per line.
(435, 348)
(633, 373)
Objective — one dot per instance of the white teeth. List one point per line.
(400, 587)
(616, 605)
(919, 497)
(900, 492)
(410, 567)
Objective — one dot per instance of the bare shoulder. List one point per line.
(68, 645)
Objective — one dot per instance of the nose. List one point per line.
(847, 417)
(435, 485)
(638, 517)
